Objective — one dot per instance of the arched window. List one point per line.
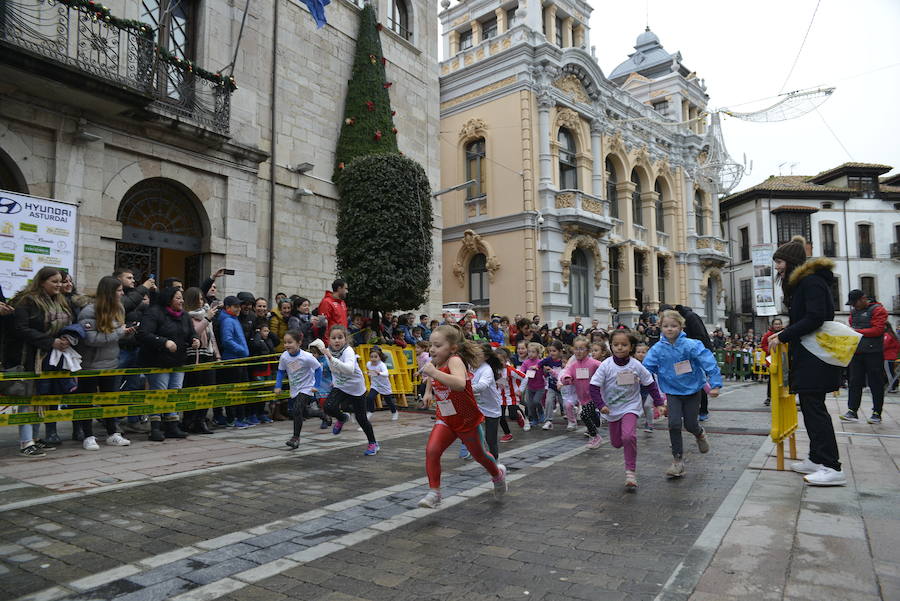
(475, 168)
(479, 294)
(639, 266)
(10, 177)
(579, 289)
(400, 20)
(699, 213)
(614, 278)
(661, 279)
(711, 301)
(568, 172)
(658, 208)
(636, 213)
(611, 189)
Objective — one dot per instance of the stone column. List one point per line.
(502, 25)
(648, 203)
(623, 194)
(598, 163)
(454, 43)
(476, 33)
(628, 309)
(545, 103)
(568, 22)
(578, 42)
(550, 23)
(651, 284)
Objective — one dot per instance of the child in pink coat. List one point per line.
(578, 372)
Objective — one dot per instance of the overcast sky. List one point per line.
(744, 51)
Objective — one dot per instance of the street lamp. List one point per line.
(454, 188)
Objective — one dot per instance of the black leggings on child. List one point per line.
(338, 400)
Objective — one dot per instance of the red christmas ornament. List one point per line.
(383, 61)
(393, 113)
(378, 135)
(370, 105)
(394, 129)
(388, 84)
(341, 165)
(379, 26)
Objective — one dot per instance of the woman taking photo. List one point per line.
(41, 314)
(201, 316)
(807, 293)
(165, 335)
(104, 325)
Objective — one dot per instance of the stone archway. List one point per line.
(715, 276)
(473, 244)
(589, 244)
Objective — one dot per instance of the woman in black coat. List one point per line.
(165, 335)
(807, 293)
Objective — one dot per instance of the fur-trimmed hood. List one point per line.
(810, 268)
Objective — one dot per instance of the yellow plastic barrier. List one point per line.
(398, 371)
(760, 365)
(784, 405)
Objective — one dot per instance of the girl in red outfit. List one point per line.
(458, 416)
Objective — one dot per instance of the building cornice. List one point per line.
(494, 225)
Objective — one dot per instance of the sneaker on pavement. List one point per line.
(850, 416)
(54, 440)
(807, 466)
(547, 426)
(464, 453)
(252, 421)
(703, 417)
(648, 428)
(372, 449)
(230, 423)
(595, 442)
(265, 419)
(395, 416)
(90, 444)
(43, 445)
(241, 424)
(431, 500)
(826, 477)
(506, 438)
(32, 451)
(500, 485)
(337, 427)
(875, 418)
(630, 481)
(220, 420)
(571, 427)
(676, 470)
(117, 440)
(527, 426)
(703, 442)
(520, 419)
(323, 425)
(293, 442)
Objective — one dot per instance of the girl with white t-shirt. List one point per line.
(349, 386)
(380, 382)
(616, 391)
(300, 367)
(485, 385)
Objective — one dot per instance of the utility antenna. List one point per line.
(780, 165)
(647, 14)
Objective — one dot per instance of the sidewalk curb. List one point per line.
(686, 575)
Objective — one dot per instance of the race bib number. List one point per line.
(446, 408)
(530, 373)
(683, 367)
(293, 367)
(625, 378)
(582, 373)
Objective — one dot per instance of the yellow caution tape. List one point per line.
(131, 397)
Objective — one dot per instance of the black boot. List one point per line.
(200, 426)
(156, 432)
(172, 430)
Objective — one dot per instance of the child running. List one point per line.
(535, 387)
(323, 385)
(487, 395)
(457, 414)
(509, 387)
(579, 372)
(300, 368)
(349, 386)
(616, 390)
(640, 351)
(551, 365)
(381, 383)
(682, 366)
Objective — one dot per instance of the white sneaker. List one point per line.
(676, 470)
(571, 427)
(369, 415)
(527, 426)
(807, 466)
(117, 440)
(90, 444)
(826, 477)
(547, 426)
(500, 486)
(395, 416)
(431, 500)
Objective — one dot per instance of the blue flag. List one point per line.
(317, 10)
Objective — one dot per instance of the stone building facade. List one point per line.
(846, 213)
(586, 199)
(173, 172)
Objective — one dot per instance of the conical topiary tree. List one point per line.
(368, 126)
(384, 232)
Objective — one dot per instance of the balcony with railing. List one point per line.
(640, 234)
(865, 250)
(588, 212)
(662, 240)
(109, 65)
(712, 250)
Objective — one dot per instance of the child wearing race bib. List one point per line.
(381, 383)
(535, 387)
(682, 366)
(616, 390)
(509, 387)
(551, 365)
(300, 367)
(640, 351)
(349, 387)
(578, 372)
(457, 415)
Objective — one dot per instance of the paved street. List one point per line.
(244, 518)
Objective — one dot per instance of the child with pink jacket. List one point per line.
(578, 371)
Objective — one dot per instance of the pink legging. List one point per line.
(442, 437)
(623, 433)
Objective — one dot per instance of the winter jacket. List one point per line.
(132, 298)
(495, 335)
(764, 343)
(278, 325)
(157, 328)
(334, 310)
(870, 323)
(662, 357)
(30, 327)
(99, 350)
(232, 342)
(809, 305)
(203, 328)
(891, 348)
(302, 322)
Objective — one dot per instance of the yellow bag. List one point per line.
(834, 343)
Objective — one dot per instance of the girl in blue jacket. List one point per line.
(682, 366)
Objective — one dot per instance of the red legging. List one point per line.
(442, 437)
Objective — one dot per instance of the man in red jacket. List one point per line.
(333, 306)
(868, 318)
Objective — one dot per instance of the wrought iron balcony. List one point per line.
(110, 64)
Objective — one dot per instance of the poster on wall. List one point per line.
(34, 232)
(763, 284)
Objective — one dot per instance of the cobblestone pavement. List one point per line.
(333, 525)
